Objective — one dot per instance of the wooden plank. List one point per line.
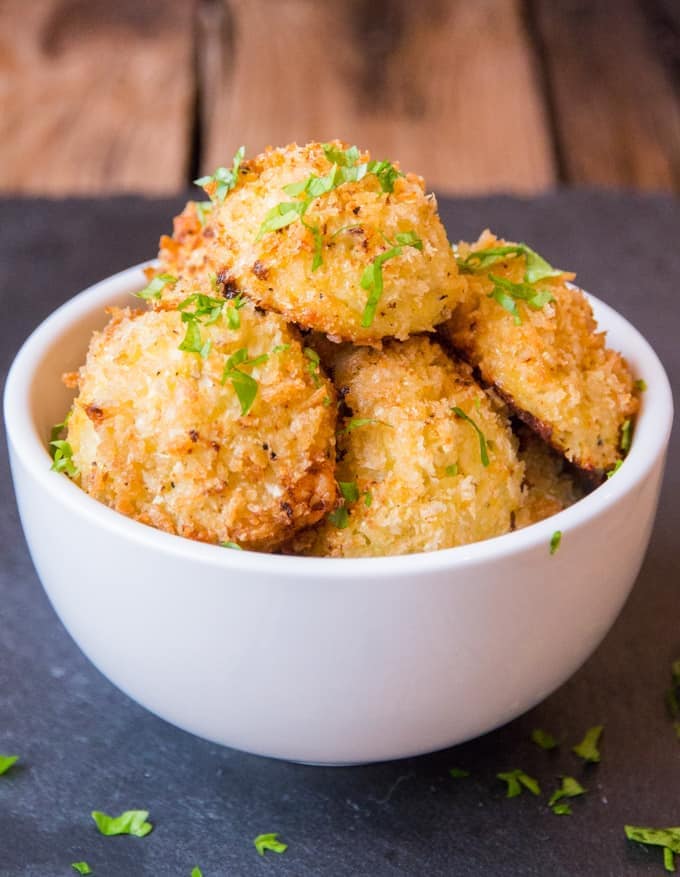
(95, 96)
(617, 117)
(446, 86)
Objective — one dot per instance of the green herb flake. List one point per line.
(457, 773)
(62, 458)
(6, 762)
(358, 423)
(536, 267)
(349, 490)
(196, 872)
(130, 822)
(368, 499)
(59, 428)
(543, 739)
(81, 867)
(587, 748)
(570, 788)
(615, 468)
(203, 210)
(339, 518)
(452, 470)
(507, 294)
(626, 435)
(225, 178)
(640, 385)
(668, 838)
(281, 348)
(372, 276)
(555, 541)
(156, 286)
(314, 365)
(516, 779)
(483, 452)
(271, 842)
(232, 545)
(244, 384)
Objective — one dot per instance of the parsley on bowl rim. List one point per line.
(297, 657)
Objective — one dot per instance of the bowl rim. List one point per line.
(649, 444)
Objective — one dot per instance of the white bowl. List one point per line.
(326, 660)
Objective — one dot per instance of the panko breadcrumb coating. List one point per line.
(411, 470)
(159, 436)
(549, 486)
(549, 363)
(310, 270)
(187, 252)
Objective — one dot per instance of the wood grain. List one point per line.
(95, 96)
(616, 113)
(447, 86)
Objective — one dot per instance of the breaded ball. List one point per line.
(548, 362)
(311, 269)
(235, 443)
(411, 471)
(187, 252)
(549, 485)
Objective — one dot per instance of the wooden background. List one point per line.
(102, 96)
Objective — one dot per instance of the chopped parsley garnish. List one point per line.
(224, 178)
(345, 170)
(207, 310)
(668, 838)
(349, 490)
(543, 739)
(587, 748)
(536, 267)
(231, 545)
(615, 468)
(154, 289)
(368, 499)
(271, 842)
(313, 366)
(130, 822)
(6, 761)
(358, 422)
(62, 458)
(555, 541)
(58, 428)
(81, 867)
(507, 294)
(203, 209)
(457, 773)
(626, 434)
(372, 277)
(483, 450)
(196, 872)
(640, 385)
(570, 788)
(244, 384)
(339, 518)
(452, 470)
(516, 779)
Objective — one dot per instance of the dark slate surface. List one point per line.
(85, 746)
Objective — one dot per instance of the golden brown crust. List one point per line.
(553, 369)
(159, 437)
(419, 465)
(357, 222)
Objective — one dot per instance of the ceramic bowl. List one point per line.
(317, 659)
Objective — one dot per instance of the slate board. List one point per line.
(85, 746)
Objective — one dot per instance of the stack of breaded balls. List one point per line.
(318, 371)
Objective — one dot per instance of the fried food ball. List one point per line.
(311, 269)
(234, 443)
(411, 471)
(548, 361)
(187, 252)
(549, 485)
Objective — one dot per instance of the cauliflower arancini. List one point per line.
(424, 461)
(234, 443)
(334, 242)
(534, 339)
